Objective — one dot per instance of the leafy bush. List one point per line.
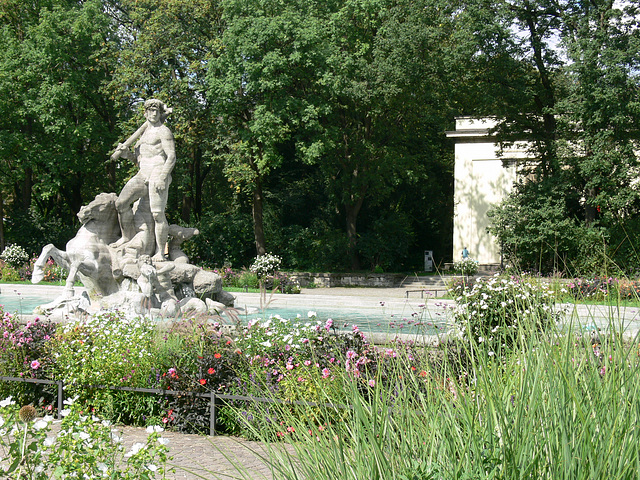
(496, 310)
(8, 273)
(591, 288)
(15, 256)
(628, 289)
(21, 347)
(466, 266)
(106, 349)
(85, 447)
(194, 357)
(265, 265)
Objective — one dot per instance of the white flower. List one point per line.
(40, 424)
(135, 448)
(70, 400)
(84, 436)
(49, 441)
(102, 467)
(311, 314)
(163, 441)
(64, 412)
(7, 401)
(155, 429)
(152, 467)
(266, 344)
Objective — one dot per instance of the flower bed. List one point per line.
(418, 412)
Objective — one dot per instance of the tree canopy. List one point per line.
(316, 129)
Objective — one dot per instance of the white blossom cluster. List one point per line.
(265, 265)
(15, 255)
(496, 307)
(466, 266)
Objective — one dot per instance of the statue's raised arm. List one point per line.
(156, 157)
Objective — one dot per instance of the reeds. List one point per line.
(552, 406)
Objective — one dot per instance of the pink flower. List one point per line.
(35, 364)
(372, 383)
(326, 372)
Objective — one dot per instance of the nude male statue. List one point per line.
(155, 155)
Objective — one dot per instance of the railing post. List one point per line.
(212, 414)
(60, 398)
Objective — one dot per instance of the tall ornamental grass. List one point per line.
(560, 407)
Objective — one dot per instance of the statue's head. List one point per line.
(145, 260)
(154, 103)
(102, 208)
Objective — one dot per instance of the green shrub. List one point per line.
(8, 273)
(466, 266)
(85, 447)
(496, 310)
(15, 256)
(246, 278)
(106, 349)
(22, 347)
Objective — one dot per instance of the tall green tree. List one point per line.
(56, 123)
(388, 100)
(583, 161)
(261, 85)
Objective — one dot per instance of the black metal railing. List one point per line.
(212, 396)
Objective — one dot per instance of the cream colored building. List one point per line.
(482, 179)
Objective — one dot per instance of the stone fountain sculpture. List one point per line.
(125, 253)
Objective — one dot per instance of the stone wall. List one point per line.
(348, 279)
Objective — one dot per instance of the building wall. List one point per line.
(482, 180)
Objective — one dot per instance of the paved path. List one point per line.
(199, 456)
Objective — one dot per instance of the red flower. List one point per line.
(217, 355)
(203, 381)
(211, 371)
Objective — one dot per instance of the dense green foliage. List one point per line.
(575, 208)
(316, 129)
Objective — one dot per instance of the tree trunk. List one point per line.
(198, 181)
(1, 222)
(187, 195)
(258, 224)
(590, 212)
(353, 209)
(26, 189)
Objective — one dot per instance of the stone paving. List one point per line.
(200, 456)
